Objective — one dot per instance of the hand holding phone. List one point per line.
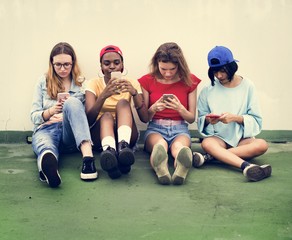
(212, 115)
(167, 96)
(62, 95)
(117, 75)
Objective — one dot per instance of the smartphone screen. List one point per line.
(117, 75)
(167, 96)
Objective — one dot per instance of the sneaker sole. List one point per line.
(256, 173)
(88, 176)
(50, 170)
(160, 161)
(183, 164)
(108, 161)
(114, 174)
(124, 169)
(126, 157)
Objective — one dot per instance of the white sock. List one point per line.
(108, 141)
(124, 133)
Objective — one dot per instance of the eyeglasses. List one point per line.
(66, 65)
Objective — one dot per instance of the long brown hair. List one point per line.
(171, 52)
(54, 82)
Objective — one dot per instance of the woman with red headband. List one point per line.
(109, 113)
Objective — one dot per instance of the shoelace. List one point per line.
(208, 157)
(124, 144)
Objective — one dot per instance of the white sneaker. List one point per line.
(198, 159)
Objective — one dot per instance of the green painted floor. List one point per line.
(215, 203)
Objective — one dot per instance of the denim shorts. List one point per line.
(168, 132)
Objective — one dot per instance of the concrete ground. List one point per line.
(216, 202)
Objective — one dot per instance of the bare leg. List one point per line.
(86, 149)
(250, 148)
(124, 113)
(125, 118)
(218, 149)
(107, 126)
(102, 128)
(247, 148)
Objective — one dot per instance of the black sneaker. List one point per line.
(126, 157)
(256, 173)
(88, 171)
(109, 163)
(49, 165)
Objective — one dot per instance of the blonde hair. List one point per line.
(54, 82)
(171, 52)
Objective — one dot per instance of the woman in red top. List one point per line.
(170, 95)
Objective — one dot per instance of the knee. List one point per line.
(123, 103)
(72, 103)
(261, 147)
(106, 117)
(42, 143)
(176, 145)
(206, 144)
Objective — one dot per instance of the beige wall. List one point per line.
(258, 31)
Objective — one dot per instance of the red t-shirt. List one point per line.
(157, 89)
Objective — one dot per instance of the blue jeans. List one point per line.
(65, 136)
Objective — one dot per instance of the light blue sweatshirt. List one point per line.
(240, 100)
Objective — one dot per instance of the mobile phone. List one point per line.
(167, 96)
(62, 95)
(117, 75)
(212, 115)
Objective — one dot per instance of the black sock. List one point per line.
(244, 165)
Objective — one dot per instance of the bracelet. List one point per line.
(135, 94)
(138, 108)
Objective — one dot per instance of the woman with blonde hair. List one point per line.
(58, 115)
